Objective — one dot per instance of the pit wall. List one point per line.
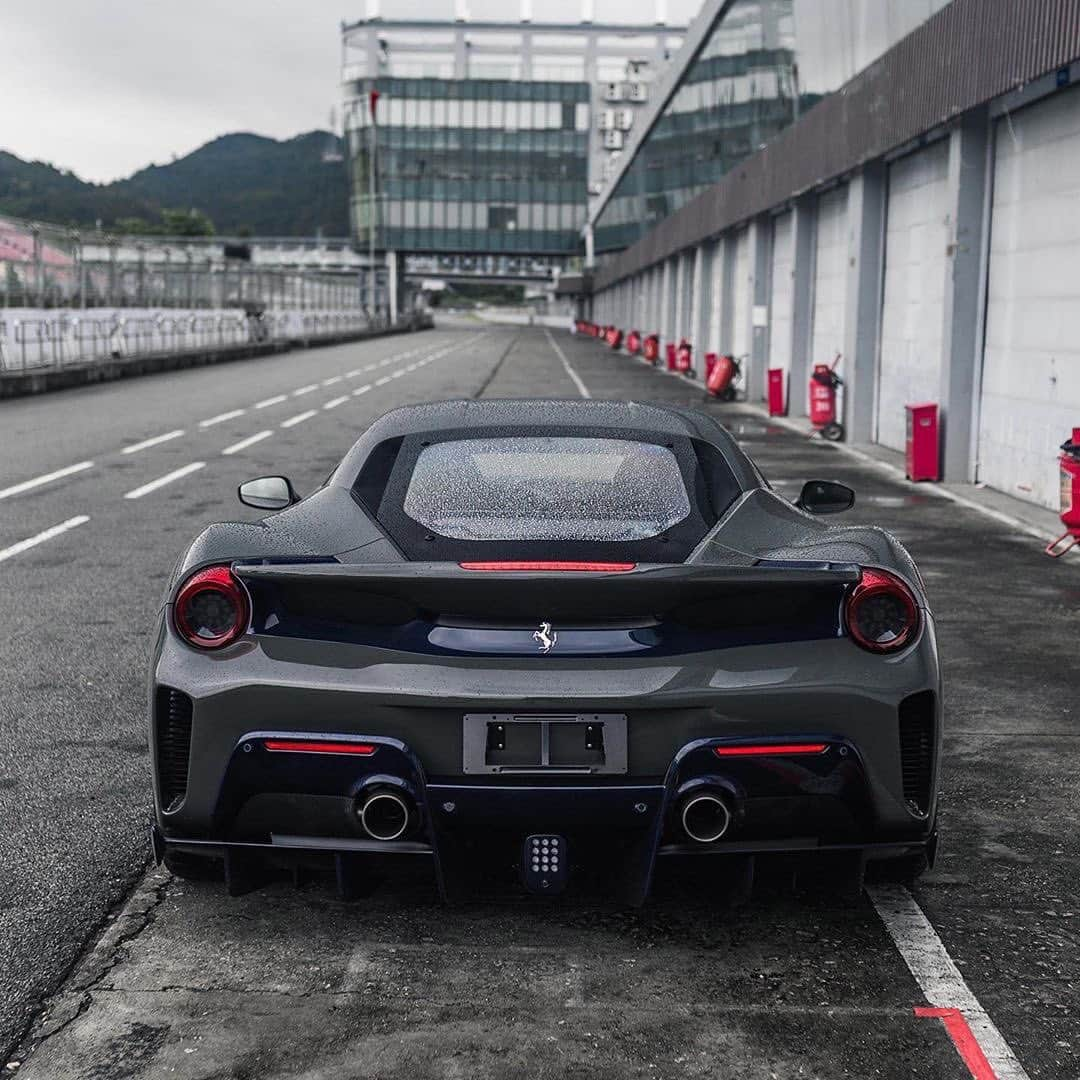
(945, 273)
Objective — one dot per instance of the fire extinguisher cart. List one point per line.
(824, 383)
(1070, 497)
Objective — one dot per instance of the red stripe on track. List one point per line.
(967, 1046)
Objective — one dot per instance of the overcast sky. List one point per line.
(104, 87)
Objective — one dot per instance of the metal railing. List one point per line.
(30, 340)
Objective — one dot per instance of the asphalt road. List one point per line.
(187, 982)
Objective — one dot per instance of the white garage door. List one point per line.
(916, 238)
(741, 296)
(1031, 364)
(830, 267)
(783, 264)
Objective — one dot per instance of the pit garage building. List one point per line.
(920, 220)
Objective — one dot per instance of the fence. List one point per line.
(48, 266)
(34, 337)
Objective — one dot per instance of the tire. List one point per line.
(183, 864)
(833, 431)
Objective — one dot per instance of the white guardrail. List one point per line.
(35, 337)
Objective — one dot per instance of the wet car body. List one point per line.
(561, 641)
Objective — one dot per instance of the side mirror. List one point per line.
(825, 497)
(268, 493)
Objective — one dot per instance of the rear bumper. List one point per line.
(296, 807)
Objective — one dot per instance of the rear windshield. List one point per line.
(539, 488)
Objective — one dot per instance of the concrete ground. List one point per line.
(121, 974)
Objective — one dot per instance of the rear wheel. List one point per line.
(833, 432)
(183, 864)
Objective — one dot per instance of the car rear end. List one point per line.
(551, 702)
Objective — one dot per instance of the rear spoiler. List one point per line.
(447, 587)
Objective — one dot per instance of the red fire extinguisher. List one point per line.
(652, 348)
(683, 356)
(720, 381)
(823, 386)
(1070, 497)
(633, 342)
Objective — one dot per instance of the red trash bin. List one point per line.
(923, 442)
(633, 342)
(683, 357)
(652, 348)
(777, 403)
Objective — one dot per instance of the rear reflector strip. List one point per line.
(570, 567)
(318, 746)
(773, 749)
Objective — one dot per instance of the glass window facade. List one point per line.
(762, 65)
(472, 165)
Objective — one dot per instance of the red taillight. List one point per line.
(767, 749)
(211, 608)
(318, 746)
(881, 612)
(564, 566)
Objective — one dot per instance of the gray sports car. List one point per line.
(552, 642)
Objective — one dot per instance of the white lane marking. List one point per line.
(388, 360)
(277, 399)
(48, 534)
(362, 389)
(333, 380)
(305, 389)
(938, 976)
(298, 419)
(583, 390)
(397, 374)
(222, 417)
(168, 478)
(412, 367)
(243, 444)
(383, 381)
(352, 374)
(370, 367)
(146, 443)
(333, 403)
(29, 485)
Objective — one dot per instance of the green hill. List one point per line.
(243, 183)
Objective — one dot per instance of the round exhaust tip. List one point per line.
(705, 817)
(385, 816)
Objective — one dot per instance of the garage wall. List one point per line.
(742, 296)
(1031, 365)
(916, 238)
(830, 267)
(783, 265)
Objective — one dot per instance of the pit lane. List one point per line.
(284, 982)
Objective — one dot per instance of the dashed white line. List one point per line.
(222, 417)
(298, 419)
(583, 390)
(29, 485)
(383, 381)
(938, 976)
(370, 367)
(243, 444)
(168, 478)
(333, 403)
(388, 360)
(156, 440)
(397, 374)
(277, 399)
(333, 380)
(352, 374)
(362, 389)
(305, 389)
(48, 534)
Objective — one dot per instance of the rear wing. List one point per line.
(645, 590)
